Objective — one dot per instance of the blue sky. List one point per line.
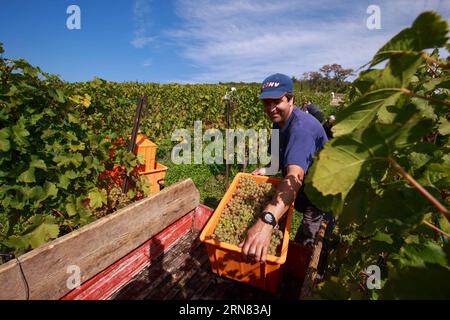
(204, 41)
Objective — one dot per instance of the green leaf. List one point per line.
(427, 31)
(50, 189)
(70, 174)
(385, 92)
(77, 146)
(406, 132)
(438, 175)
(37, 194)
(341, 162)
(35, 118)
(419, 254)
(97, 197)
(425, 109)
(19, 243)
(19, 133)
(27, 176)
(332, 289)
(418, 160)
(4, 142)
(57, 94)
(430, 282)
(131, 194)
(77, 159)
(396, 210)
(364, 110)
(141, 158)
(38, 163)
(29, 70)
(355, 206)
(64, 181)
(71, 209)
(43, 234)
(62, 160)
(444, 127)
(436, 83)
(73, 118)
(383, 237)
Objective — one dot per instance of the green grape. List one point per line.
(243, 210)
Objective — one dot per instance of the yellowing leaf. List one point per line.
(43, 234)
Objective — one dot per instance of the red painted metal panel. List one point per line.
(110, 280)
(201, 216)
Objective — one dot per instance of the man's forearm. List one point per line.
(284, 197)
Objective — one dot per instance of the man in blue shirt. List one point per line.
(301, 137)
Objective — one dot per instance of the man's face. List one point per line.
(278, 110)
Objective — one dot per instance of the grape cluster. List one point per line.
(242, 211)
(116, 200)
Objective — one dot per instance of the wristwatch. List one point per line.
(269, 218)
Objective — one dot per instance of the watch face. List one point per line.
(268, 217)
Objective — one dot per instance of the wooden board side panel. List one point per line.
(95, 246)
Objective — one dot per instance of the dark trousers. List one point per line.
(307, 231)
(312, 217)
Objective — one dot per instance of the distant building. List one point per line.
(336, 98)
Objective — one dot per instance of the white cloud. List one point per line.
(248, 40)
(141, 17)
(147, 63)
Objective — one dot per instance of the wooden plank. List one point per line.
(96, 246)
(311, 272)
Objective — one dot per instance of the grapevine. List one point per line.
(385, 175)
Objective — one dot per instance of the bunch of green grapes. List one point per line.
(242, 211)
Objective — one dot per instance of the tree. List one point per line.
(328, 78)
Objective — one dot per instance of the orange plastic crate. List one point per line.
(226, 259)
(155, 176)
(148, 149)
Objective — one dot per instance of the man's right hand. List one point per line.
(260, 172)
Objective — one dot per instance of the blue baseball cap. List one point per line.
(276, 86)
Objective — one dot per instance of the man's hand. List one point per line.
(260, 172)
(257, 241)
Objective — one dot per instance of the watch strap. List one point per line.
(273, 221)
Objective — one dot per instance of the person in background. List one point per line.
(328, 125)
(313, 109)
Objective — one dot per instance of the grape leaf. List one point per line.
(444, 126)
(97, 197)
(71, 209)
(27, 176)
(384, 92)
(418, 160)
(384, 237)
(43, 234)
(429, 30)
(429, 282)
(4, 142)
(20, 133)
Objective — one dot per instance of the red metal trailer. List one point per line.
(148, 250)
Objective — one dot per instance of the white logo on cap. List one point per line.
(270, 85)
